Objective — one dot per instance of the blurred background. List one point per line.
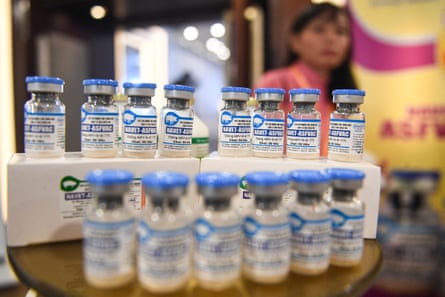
(399, 59)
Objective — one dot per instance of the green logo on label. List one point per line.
(243, 183)
(69, 183)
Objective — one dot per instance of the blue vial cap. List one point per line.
(415, 174)
(172, 87)
(217, 179)
(345, 174)
(104, 177)
(308, 176)
(304, 91)
(100, 82)
(269, 91)
(128, 85)
(353, 92)
(235, 90)
(267, 178)
(165, 180)
(44, 80)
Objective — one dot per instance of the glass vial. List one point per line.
(310, 222)
(44, 118)
(347, 215)
(303, 125)
(176, 122)
(266, 247)
(109, 231)
(164, 254)
(217, 249)
(235, 123)
(347, 126)
(268, 124)
(139, 121)
(99, 119)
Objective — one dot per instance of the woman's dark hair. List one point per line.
(341, 77)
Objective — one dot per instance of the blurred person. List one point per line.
(320, 50)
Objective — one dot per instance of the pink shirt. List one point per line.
(299, 75)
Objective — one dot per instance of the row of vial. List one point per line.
(241, 133)
(215, 245)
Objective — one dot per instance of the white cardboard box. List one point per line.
(369, 193)
(47, 197)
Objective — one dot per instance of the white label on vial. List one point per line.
(178, 132)
(268, 134)
(163, 254)
(303, 136)
(266, 247)
(234, 130)
(75, 197)
(346, 136)
(347, 235)
(109, 247)
(44, 131)
(310, 241)
(217, 250)
(139, 132)
(99, 130)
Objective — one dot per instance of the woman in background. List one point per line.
(320, 50)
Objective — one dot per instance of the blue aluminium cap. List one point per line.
(304, 91)
(353, 92)
(409, 174)
(127, 85)
(103, 177)
(217, 179)
(172, 87)
(308, 176)
(44, 84)
(267, 178)
(165, 180)
(100, 82)
(345, 174)
(44, 80)
(235, 90)
(270, 91)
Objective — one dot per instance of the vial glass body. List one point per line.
(44, 125)
(139, 128)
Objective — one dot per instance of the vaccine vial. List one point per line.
(44, 118)
(310, 222)
(99, 119)
(347, 215)
(109, 230)
(176, 122)
(139, 121)
(303, 125)
(165, 238)
(268, 124)
(235, 123)
(347, 126)
(217, 248)
(266, 247)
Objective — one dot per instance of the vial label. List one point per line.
(109, 247)
(163, 254)
(266, 247)
(268, 134)
(303, 136)
(139, 132)
(346, 137)
(75, 197)
(310, 241)
(99, 130)
(177, 132)
(235, 131)
(347, 235)
(44, 131)
(217, 250)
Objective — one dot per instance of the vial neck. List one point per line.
(140, 100)
(304, 107)
(217, 204)
(178, 103)
(269, 105)
(110, 202)
(163, 205)
(348, 108)
(100, 99)
(45, 97)
(267, 203)
(343, 195)
(309, 198)
(235, 105)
